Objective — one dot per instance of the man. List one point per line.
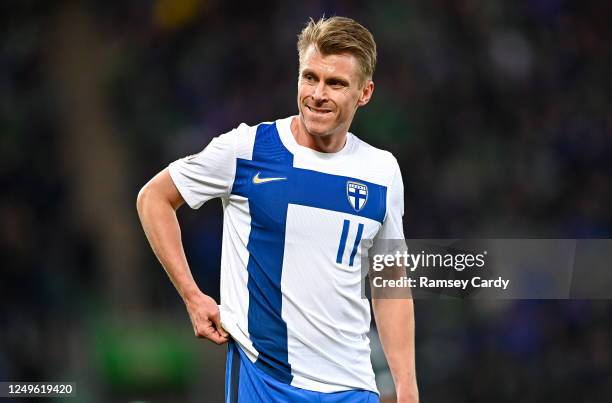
(299, 195)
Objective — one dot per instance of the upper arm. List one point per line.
(162, 186)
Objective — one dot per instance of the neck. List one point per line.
(326, 144)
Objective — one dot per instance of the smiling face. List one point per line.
(330, 89)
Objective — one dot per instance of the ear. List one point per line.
(366, 93)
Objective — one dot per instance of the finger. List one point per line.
(204, 330)
(217, 321)
(209, 332)
(215, 337)
(201, 333)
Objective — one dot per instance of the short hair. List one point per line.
(338, 35)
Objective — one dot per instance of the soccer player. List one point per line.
(299, 194)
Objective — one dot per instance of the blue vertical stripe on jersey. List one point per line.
(345, 229)
(266, 246)
(356, 244)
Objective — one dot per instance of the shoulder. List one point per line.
(374, 154)
(242, 138)
(377, 160)
(245, 130)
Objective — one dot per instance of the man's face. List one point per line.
(330, 91)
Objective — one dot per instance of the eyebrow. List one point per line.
(329, 80)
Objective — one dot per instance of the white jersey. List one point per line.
(290, 264)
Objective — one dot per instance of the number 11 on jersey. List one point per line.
(343, 237)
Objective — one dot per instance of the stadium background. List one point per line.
(499, 113)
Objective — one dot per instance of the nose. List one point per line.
(320, 93)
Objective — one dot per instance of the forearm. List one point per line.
(395, 323)
(160, 224)
(157, 203)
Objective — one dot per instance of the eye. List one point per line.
(337, 84)
(308, 77)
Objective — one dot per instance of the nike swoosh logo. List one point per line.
(257, 180)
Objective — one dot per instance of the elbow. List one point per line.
(141, 199)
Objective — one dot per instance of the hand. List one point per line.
(206, 319)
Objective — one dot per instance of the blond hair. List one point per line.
(337, 35)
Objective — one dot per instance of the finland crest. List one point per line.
(357, 194)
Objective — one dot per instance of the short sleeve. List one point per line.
(390, 240)
(208, 174)
(393, 227)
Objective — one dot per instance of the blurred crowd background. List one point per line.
(500, 114)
